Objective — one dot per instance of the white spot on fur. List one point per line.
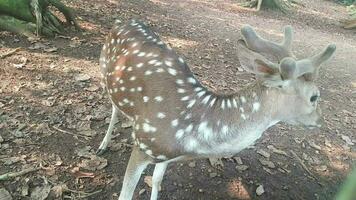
(201, 93)
(179, 81)
(256, 106)
(189, 128)
(179, 133)
(205, 131)
(191, 80)
(212, 102)
(206, 99)
(225, 130)
(191, 103)
(174, 123)
(161, 115)
(234, 103)
(181, 90)
(172, 71)
(147, 128)
(243, 99)
(168, 63)
(148, 72)
(223, 104)
(159, 98)
(228, 103)
(141, 54)
(186, 98)
(145, 99)
(139, 65)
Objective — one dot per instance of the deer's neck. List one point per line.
(233, 122)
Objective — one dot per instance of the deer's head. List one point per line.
(291, 81)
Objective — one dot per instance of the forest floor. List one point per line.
(53, 111)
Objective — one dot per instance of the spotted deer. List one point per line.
(175, 117)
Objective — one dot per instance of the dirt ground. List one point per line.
(53, 112)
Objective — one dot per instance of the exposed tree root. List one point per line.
(27, 17)
(283, 5)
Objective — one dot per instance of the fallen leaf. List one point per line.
(267, 163)
(347, 140)
(58, 190)
(41, 192)
(312, 144)
(4, 194)
(217, 163)
(79, 174)
(238, 160)
(95, 163)
(277, 151)
(22, 64)
(260, 190)
(321, 168)
(263, 153)
(127, 124)
(241, 167)
(51, 49)
(192, 164)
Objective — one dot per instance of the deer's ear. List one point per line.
(254, 62)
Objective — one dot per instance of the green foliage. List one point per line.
(348, 190)
(347, 2)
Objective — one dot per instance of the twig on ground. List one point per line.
(304, 166)
(9, 53)
(83, 194)
(70, 133)
(12, 175)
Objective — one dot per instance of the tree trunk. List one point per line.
(282, 5)
(29, 16)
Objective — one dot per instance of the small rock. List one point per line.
(82, 77)
(1, 139)
(241, 167)
(238, 160)
(267, 163)
(217, 163)
(201, 190)
(321, 168)
(213, 174)
(263, 153)
(51, 49)
(141, 191)
(260, 190)
(127, 124)
(92, 88)
(192, 164)
(4, 194)
(18, 134)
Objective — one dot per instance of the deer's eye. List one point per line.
(313, 98)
